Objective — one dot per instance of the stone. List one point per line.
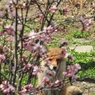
(86, 48)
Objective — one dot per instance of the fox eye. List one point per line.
(50, 59)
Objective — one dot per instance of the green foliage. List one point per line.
(87, 63)
(80, 34)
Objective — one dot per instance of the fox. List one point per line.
(58, 64)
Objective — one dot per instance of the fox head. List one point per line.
(55, 56)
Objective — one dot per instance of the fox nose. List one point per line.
(54, 68)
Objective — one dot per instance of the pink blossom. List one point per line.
(6, 91)
(28, 45)
(5, 82)
(51, 73)
(93, 4)
(7, 26)
(48, 29)
(2, 86)
(41, 16)
(32, 34)
(1, 14)
(11, 39)
(1, 23)
(2, 57)
(65, 10)
(64, 73)
(77, 67)
(88, 29)
(23, 57)
(85, 21)
(45, 79)
(11, 2)
(45, 37)
(35, 68)
(11, 88)
(6, 88)
(72, 70)
(10, 31)
(5, 49)
(1, 9)
(53, 24)
(53, 9)
(37, 46)
(34, 73)
(28, 86)
(19, 27)
(57, 82)
(1, 33)
(28, 67)
(23, 91)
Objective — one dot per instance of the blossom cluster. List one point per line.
(71, 71)
(26, 88)
(56, 83)
(6, 88)
(86, 22)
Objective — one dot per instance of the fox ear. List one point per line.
(63, 44)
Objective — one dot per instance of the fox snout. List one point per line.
(53, 64)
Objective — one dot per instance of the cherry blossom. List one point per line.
(53, 9)
(5, 49)
(65, 10)
(1, 14)
(46, 80)
(85, 21)
(71, 71)
(50, 72)
(57, 83)
(32, 34)
(8, 26)
(41, 16)
(93, 4)
(26, 88)
(1, 23)
(35, 70)
(2, 58)
(28, 46)
(1, 33)
(7, 88)
(27, 66)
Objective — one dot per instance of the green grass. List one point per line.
(87, 63)
(79, 34)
